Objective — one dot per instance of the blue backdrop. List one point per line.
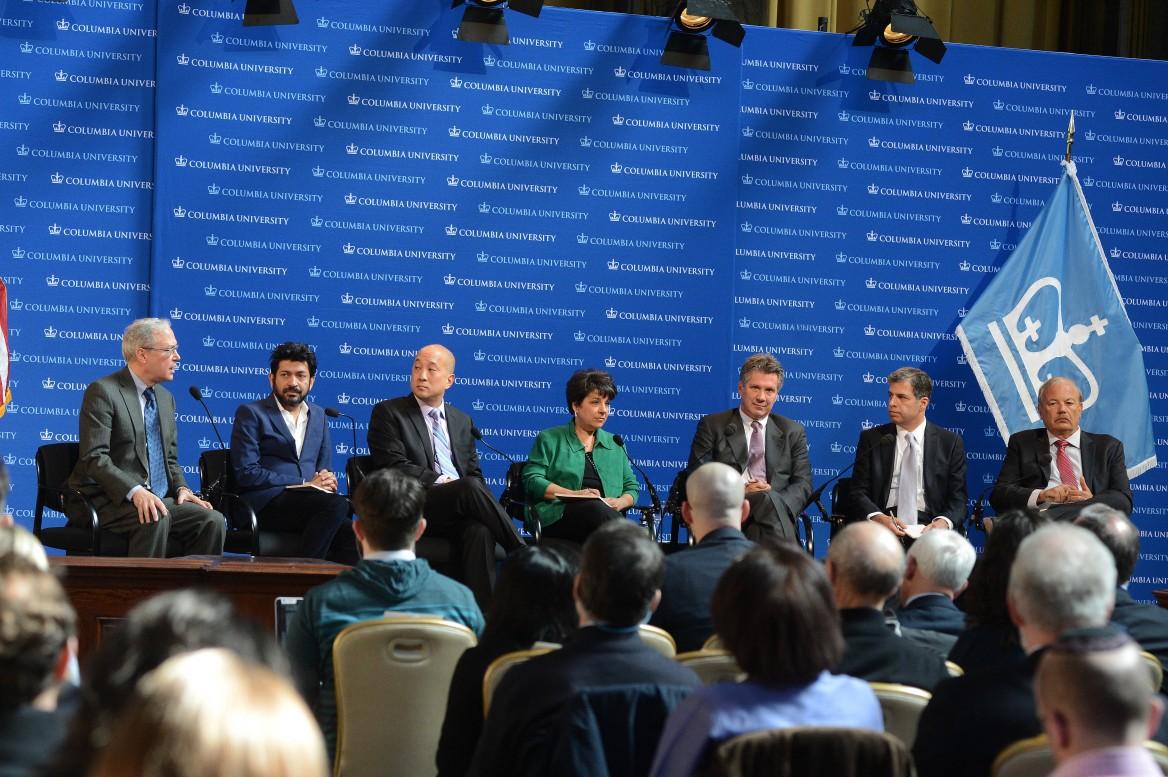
(369, 184)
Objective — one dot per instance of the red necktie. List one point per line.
(1066, 469)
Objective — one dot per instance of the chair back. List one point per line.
(841, 497)
(216, 476)
(659, 639)
(1030, 757)
(80, 534)
(712, 666)
(955, 670)
(355, 469)
(1155, 667)
(713, 642)
(503, 664)
(54, 464)
(513, 498)
(410, 660)
(902, 706)
(672, 508)
(842, 752)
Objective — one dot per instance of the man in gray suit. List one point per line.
(129, 452)
(770, 451)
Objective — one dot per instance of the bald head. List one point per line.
(438, 353)
(432, 374)
(865, 563)
(715, 498)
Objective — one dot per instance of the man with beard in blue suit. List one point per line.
(282, 454)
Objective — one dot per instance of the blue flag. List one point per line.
(1054, 309)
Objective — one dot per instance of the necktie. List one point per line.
(1066, 469)
(155, 457)
(443, 461)
(756, 463)
(906, 494)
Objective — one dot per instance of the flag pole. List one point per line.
(1070, 136)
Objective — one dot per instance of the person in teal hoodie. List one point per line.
(577, 477)
(389, 577)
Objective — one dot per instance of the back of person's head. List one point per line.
(19, 548)
(1117, 532)
(36, 625)
(533, 598)
(866, 561)
(1062, 578)
(985, 599)
(945, 558)
(1094, 690)
(389, 505)
(715, 493)
(209, 713)
(620, 574)
(773, 609)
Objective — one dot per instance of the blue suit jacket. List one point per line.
(932, 613)
(263, 453)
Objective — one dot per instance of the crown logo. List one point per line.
(212, 240)
(319, 121)
(10, 458)
(481, 306)
(313, 321)
(1119, 115)
(969, 79)
(54, 229)
(49, 383)
(744, 323)
(586, 142)
(837, 399)
(874, 95)
(611, 313)
(350, 199)
(609, 362)
(209, 290)
(836, 447)
(843, 115)
(484, 207)
(62, 24)
(342, 398)
(838, 352)
(448, 329)
(16, 305)
(454, 132)
(869, 330)
(489, 60)
(181, 110)
(995, 244)
(581, 287)
(456, 82)
(873, 142)
(342, 448)
(616, 168)
(61, 75)
(46, 435)
(868, 377)
(841, 257)
(321, 71)
(314, 272)
(216, 88)
(22, 150)
(478, 404)
(1115, 252)
(967, 125)
(177, 263)
(995, 198)
(586, 93)
(873, 236)
(961, 312)
(961, 358)
(355, 49)
(480, 355)
(348, 248)
(1089, 135)
(841, 210)
(966, 219)
(184, 9)
(1117, 160)
(180, 212)
(451, 230)
(484, 158)
(176, 313)
(204, 442)
(619, 71)
(840, 304)
(964, 265)
(26, 48)
(870, 283)
(19, 201)
(180, 161)
(614, 216)
(579, 335)
(748, 132)
(996, 150)
(346, 298)
(747, 179)
(1116, 206)
(959, 406)
(747, 226)
(58, 126)
(744, 275)
(216, 37)
(354, 99)
(488, 110)
(873, 188)
(1090, 88)
(318, 172)
(748, 84)
(999, 105)
(24, 99)
(50, 331)
(182, 59)
(842, 163)
(613, 264)
(351, 149)
(582, 239)
(322, 22)
(866, 424)
(618, 120)
(583, 189)
(589, 45)
(18, 253)
(345, 348)
(213, 189)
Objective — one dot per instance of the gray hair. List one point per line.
(1063, 578)
(869, 558)
(140, 334)
(715, 492)
(761, 362)
(1058, 379)
(944, 557)
(922, 384)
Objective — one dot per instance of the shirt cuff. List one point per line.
(134, 490)
(944, 518)
(1033, 500)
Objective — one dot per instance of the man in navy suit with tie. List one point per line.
(425, 437)
(282, 455)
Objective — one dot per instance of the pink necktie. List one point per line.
(1066, 469)
(756, 464)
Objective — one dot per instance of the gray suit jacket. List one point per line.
(113, 441)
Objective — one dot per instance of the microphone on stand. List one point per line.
(332, 412)
(655, 510)
(217, 484)
(475, 433)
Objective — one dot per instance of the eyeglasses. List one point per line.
(172, 350)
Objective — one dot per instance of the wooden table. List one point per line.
(104, 589)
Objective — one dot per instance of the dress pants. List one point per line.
(580, 519)
(321, 518)
(764, 522)
(199, 531)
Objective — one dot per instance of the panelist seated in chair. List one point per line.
(580, 459)
(281, 454)
(769, 450)
(423, 436)
(128, 466)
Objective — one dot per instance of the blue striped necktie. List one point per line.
(155, 456)
(443, 461)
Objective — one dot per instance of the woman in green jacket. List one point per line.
(577, 477)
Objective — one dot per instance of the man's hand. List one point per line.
(325, 479)
(150, 508)
(936, 523)
(893, 524)
(187, 495)
(754, 486)
(1060, 494)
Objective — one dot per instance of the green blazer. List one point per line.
(558, 457)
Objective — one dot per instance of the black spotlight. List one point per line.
(693, 21)
(262, 12)
(482, 21)
(892, 27)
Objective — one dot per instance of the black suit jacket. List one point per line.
(690, 578)
(944, 468)
(872, 652)
(720, 437)
(935, 612)
(1146, 623)
(400, 439)
(1027, 467)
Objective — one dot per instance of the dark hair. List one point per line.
(389, 506)
(1117, 532)
(294, 352)
(773, 609)
(36, 621)
(922, 384)
(621, 570)
(533, 599)
(584, 382)
(985, 600)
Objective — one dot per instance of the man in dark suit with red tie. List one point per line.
(425, 437)
(910, 450)
(1061, 468)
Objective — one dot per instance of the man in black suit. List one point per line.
(422, 436)
(936, 572)
(714, 509)
(128, 466)
(1062, 578)
(1146, 623)
(770, 451)
(909, 450)
(865, 564)
(1060, 467)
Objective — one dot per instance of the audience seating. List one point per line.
(902, 706)
(1154, 665)
(1032, 757)
(712, 666)
(810, 750)
(956, 671)
(410, 660)
(713, 643)
(501, 665)
(659, 639)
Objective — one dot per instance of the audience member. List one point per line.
(1097, 704)
(163, 626)
(990, 639)
(773, 610)
(597, 705)
(865, 563)
(19, 548)
(37, 642)
(390, 576)
(714, 509)
(1146, 623)
(936, 572)
(532, 603)
(1062, 578)
(209, 713)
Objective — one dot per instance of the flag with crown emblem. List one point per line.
(1054, 309)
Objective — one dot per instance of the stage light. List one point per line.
(892, 27)
(692, 23)
(265, 12)
(483, 22)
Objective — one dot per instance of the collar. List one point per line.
(918, 433)
(925, 594)
(1073, 438)
(747, 420)
(722, 533)
(391, 555)
(422, 406)
(139, 384)
(601, 441)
